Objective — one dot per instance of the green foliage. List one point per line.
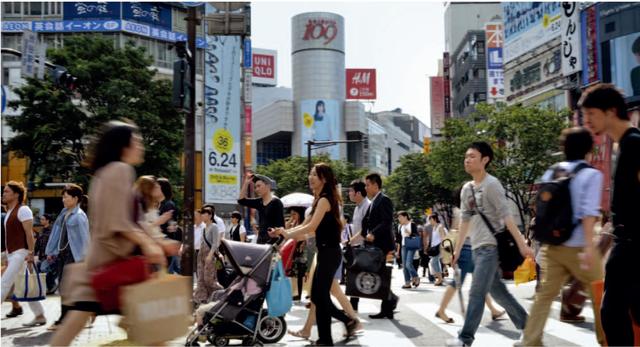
(113, 83)
(524, 141)
(291, 173)
(411, 188)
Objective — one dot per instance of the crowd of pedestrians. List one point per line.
(129, 216)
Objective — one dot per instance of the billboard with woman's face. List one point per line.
(321, 121)
(625, 63)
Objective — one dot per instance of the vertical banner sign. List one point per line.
(222, 119)
(590, 46)
(446, 85)
(42, 57)
(247, 58)
(437, 104)
(29, 41)
(247, 90)
(495, 74)
(570, 26)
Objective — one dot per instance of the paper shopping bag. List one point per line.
(30, 285)
(158, 309)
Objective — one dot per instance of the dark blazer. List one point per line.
(379, 221)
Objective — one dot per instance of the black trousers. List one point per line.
(328, 260)
(621, 293)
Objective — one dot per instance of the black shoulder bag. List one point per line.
(509, 256)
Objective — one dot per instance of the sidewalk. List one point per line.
(105, 330)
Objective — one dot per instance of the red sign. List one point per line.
(325, 29)
(437, 104)
(361, 84)
(264, 66)
(247, 119)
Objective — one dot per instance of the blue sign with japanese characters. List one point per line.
(56, 26)
(154, 13)
(91, 10)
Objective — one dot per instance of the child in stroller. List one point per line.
(237, 312)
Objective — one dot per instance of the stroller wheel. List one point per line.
(218, 340)
(271, 329)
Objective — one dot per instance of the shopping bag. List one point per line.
(371, 285)
(286, 253)
(157, 309)
(526, 272)
(30, 285)
(279, 295)
(368, 258)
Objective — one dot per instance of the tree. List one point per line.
(524, 140)
(411, 188)
(113, 83)
(291, 173)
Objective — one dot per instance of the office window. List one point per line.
(32, 8)
(12, 8)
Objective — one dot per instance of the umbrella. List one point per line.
(297, 199)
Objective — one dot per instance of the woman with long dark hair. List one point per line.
(114, 234)
(326, 223)
(69, 237)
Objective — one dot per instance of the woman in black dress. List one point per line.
(326, 224)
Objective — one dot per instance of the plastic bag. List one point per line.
(526, 272)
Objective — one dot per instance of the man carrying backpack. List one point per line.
(567, 205)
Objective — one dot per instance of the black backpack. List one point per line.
(554, 213)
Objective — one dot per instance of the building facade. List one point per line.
(468, 74)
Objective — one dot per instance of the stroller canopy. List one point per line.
(249, 259)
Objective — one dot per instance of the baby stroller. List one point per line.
(239, 312)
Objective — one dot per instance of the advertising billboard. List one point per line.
(91, 10)
(625, 63)
(317, 30)
(571, 49)
(494, 33)
(321, 121)
(437, 104)
(223, 161)
(265, 69)
(361, 84)
(536, 76)
(154, 13)
(528, 25)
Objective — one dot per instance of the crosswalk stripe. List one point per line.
(483, 337)
(576, 334)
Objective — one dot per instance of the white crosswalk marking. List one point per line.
(483, 337)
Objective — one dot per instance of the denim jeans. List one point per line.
(487, 279)
(436, 267)
(174, 265)
(407, 260)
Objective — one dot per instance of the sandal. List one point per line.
(299, 334)
(497, 316)
(446, 320)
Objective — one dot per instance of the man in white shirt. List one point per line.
(18, 245)
(358, 195)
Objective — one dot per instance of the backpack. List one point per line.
(554, 211)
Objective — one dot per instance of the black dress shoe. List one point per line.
(381, 315)
(15, 312)
(317, 343)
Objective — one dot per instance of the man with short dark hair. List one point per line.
(358, 195)
(485, 194)
(558, 262)
(270, 209)
(18, 243)
(605, 111)
(377, 229)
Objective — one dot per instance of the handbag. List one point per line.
(157, 309)
(109, 279)
(279, 294)
(509, 256)
(413, 243)
(368, 258)
(32, 286)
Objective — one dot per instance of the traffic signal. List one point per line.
(63, 79)
(181, 85)
(426, 146)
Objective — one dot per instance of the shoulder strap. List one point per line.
(484, 218)
(204, 237)
(579, 168)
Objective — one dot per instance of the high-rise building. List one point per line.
(469, 74)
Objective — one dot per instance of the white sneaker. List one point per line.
(519, 342)
(455, 342)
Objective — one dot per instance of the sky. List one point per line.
(402, 40)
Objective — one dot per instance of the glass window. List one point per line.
(36, 9)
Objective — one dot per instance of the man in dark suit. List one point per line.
(377, 228)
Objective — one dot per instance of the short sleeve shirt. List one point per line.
(24, 214)
(492, 202)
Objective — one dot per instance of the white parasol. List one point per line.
(297, 199)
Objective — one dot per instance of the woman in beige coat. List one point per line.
(114, 235)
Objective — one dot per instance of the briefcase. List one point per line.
(370, 285)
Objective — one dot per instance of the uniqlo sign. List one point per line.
(264, 66)
(361, 84)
